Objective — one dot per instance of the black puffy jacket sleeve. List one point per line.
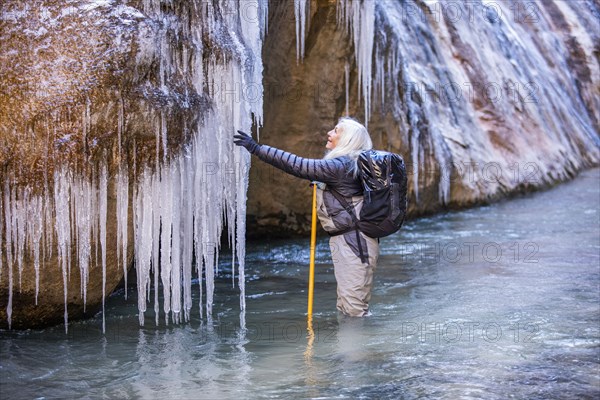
(330, 171)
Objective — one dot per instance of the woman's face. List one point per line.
(332, 137)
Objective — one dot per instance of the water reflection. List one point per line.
(309, 365)
(352, 339)
(190, 362)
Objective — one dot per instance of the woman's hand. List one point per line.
(244, 140)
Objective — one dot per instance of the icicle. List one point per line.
(300, 13)
(347, 74)
(155, 238)
(232, 236)
(163, 59)
(211, 208)
(137, 227)
(35, 228)
(242, 188)
(94, 214)
(341, 14)
(365, 52)
(176, 244)
(122, 189)
(102, 214)
(198, 196)
(187, 233)
(382, 81)
(143, 240)
(157, 136)
(48, 223)
(62, 187)
(209, 270)
(413, 116)
(198, 67)
(166, 212)
(264, 13)
(120, 125)
(9, 244)
(163, 132)
(380, 77)
(19, 215)
(252, 34)
(48, 227)
(83, 222)
(360, 17)
(73, 226)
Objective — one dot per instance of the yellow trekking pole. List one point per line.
(313, 244)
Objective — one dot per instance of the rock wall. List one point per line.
(481, 101)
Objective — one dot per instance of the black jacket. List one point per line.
(337, 174)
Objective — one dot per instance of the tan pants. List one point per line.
(354, 279)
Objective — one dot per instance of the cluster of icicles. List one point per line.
(178, 212)
(78, 208)
(178, 208)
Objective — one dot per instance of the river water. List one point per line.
(495, 302)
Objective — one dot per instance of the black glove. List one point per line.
(243, 139)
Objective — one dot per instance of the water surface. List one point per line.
(495, 302)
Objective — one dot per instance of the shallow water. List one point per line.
(495, 302)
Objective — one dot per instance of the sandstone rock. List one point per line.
(465, 148)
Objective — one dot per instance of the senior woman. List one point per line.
(354, 254)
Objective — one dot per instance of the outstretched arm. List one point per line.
(326, 171)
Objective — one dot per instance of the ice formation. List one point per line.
(180, 207)
(181, 203)
(300, 12)
(358, 18)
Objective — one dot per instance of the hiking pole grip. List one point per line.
(313, 244)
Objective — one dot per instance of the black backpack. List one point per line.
(383, 176)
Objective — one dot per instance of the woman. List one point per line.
(354, 254)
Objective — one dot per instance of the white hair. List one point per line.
(353, 140)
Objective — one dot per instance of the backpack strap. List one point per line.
(348, 207)
(350, 210)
